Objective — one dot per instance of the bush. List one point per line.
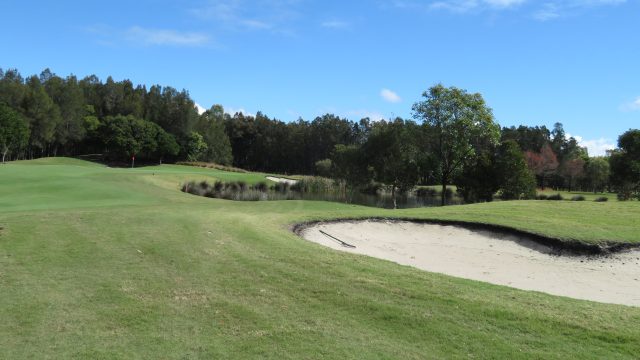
(281, 187)
(315, 184)
(261, 186)
(578, 198)
(555, 197)
(323, 167)
(601, 199)
(542, 197)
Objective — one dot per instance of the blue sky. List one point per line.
(536, 62)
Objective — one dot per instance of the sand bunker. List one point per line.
(282, 180)
(487, 256)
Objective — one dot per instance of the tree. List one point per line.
(43, 116)
(128, 136)
(543, 164)
(479, 179)
(323, 167)
(14, 131)
(572, 169)
(211, 126)
(392, 155)
(597, 173)
(458, 124)
(625, 165)
(166, 144)
(515, 178)
(196, 147)
(350, 165)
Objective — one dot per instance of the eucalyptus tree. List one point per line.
(393, 155)
(625, 165)
(14, 131)
(458, 124)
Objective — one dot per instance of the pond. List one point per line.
(381, 199)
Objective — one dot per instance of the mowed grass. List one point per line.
(117, 263)
(588, 196)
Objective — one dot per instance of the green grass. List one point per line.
(117, 263)
(588, 196)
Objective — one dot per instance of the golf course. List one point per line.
(105, 263)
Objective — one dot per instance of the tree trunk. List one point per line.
(444, 192)
(4, 154)
(393, 196)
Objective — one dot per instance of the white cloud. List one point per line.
(539, 10)
(232, 111)
(548, 11)
(596, 147)
(361, 114)
(200, 109)
(462, 6)
(558, 8)
(390, 96)
(166, 37)
(334, 24)
(266, 15)
(631, 106)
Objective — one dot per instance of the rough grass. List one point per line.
(117, 263)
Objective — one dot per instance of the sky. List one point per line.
(535, 62)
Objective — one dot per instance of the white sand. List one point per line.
(282, 180)
(489, 257)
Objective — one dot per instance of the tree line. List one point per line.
(452, 138)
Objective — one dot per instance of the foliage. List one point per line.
(126, 136)
(392, 155)
(458, 125)
(543, 164)
(323, 167)
(597, 173)
(211, 126)
(196, 147)
(578, 198)
(555, 197)
(14, 131)
(516, 180)
(601, 199)
(625, 166)
(349, 164)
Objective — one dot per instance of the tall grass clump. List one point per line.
(318, 185)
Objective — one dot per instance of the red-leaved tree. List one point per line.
(543, 164)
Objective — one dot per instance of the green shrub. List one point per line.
(542, 197)
(261, 186)
(281, 187)
(555, 197)
(578, 198)
(601, 199)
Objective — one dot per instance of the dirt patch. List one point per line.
(523, 261)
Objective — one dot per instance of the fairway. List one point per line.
(99, 262)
